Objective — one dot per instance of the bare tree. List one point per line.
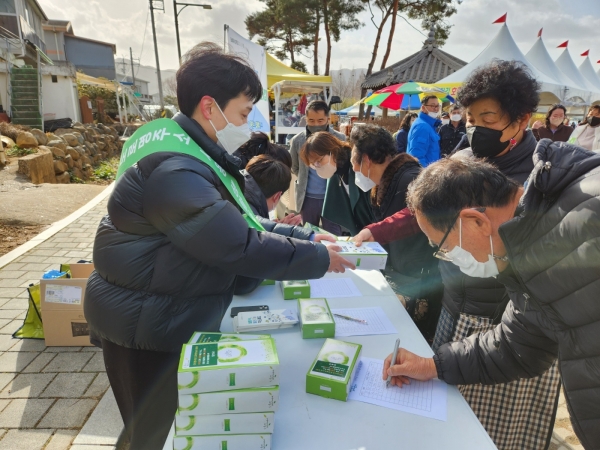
(170, 87)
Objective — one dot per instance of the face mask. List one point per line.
(556, 122)
(485, 142)
(364, 183)
(593, 121)
(456, 117)
(468, 264)
(433, 115)
(316, 128)
(445, 121)
(326, 170)
(231, 137)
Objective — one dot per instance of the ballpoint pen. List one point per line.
(351, 318)
(393, 361)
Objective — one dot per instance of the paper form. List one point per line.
(377, 322)
(333, 288)
(423, 398)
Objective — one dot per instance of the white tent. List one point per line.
(588, 72)
(566, 64)
(538, 55)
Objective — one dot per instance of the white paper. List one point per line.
(333, 288)
(59, 293)
(423, 398)
(377, 322)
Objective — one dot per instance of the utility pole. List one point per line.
(132, 73)
(177, 11)
(160, 89)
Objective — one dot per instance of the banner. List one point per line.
(256, 56)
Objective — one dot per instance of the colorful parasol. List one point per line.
(405, 95)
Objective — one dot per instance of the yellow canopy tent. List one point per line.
(100, 82)
(278, 71)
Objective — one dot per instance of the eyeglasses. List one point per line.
(319, 162)
(442, 254)
(437, 106)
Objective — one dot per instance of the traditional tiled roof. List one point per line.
(428, 65)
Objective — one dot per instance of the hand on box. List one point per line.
(337, 264)
(291, 219)
(324, 237)
(364, 236)
(408, 365)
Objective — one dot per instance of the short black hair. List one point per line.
(448, 186)
(374, 141)
(425, 99)
(272, 176)
(510, 83)
(318, 105)
(551, 110)
(207, 70)
(259, 144)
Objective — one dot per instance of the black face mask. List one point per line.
(593, 121)
(485, 142)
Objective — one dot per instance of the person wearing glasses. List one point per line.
(541, 242)
(423, 140)
(554, 127)
(344, 203)
(499, 99)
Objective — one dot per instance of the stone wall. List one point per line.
(74, 151)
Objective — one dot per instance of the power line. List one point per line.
(143, 41)
(406, 20)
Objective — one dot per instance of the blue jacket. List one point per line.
(401, 140)
(423, 141)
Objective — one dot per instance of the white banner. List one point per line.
(256, 56)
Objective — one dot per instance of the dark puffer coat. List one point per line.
(168, 252)
(553, 281)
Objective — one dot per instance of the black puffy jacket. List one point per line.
(168, 252)
(553, 281)
(485, 296)
(450, 136)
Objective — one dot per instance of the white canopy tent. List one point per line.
(588, 72)
(566, 64)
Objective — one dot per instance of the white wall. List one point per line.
(59, 98)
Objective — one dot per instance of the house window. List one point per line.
(54, 78)
(7, 6)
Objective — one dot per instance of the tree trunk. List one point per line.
(327, 35)
(391, 36)
(291, 46)
(316, 45)
(361, 108)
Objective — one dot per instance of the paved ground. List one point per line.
(56, 398)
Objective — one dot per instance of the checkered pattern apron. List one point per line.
(517, 415)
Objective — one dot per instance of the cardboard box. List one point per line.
(369, 256)
(200, 337)
(222, 366)
(295, 289)
(61, 301)
(315, 318)
(224, 424)
(331, 374)
(223, 442)
(240, 401)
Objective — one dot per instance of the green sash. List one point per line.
(165, 135)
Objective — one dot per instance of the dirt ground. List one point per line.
(27, 209)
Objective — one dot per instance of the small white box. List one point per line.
(227, 402)
(224, 424)
(369, 256)
(223, 442)
(201, 337)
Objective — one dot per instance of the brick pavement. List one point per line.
(48, 394)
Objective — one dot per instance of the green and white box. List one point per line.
(315, 317)
(295, 289)
(201, 337)
(241, 401)
(223, 442)
(222, 366)
(224, 424)
(369, 256)
(331, 373)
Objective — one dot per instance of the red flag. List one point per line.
(540, 32)
(501, 19)
(598, 62)
(563, 45)
(586, 53)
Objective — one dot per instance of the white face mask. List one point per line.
(456, 117)
(326, 170)
(556, 122)
(433, 115)
(231, 137)
(445, 121)
(467, 262)
(364, 183)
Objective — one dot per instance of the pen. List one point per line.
(396, 345)
(351, 318)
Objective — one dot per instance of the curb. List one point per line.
(54, 228)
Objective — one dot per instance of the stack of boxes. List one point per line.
(228, 392)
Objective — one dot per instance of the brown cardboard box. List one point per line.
(62, 308)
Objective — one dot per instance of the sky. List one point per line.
(126, 24)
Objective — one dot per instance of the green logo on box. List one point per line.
(209, 338)
(204, 355)
(232, 379)
(232, 404)
(330, 368)
(227, 425)
(223, 445)
(357, 262)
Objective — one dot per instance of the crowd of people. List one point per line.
(506, 298)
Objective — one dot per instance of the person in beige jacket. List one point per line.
(587, 135)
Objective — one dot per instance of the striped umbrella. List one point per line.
(405, 96)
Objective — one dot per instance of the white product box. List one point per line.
(369, 256)
(223, 442)
(227, 402)
(224, 424)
